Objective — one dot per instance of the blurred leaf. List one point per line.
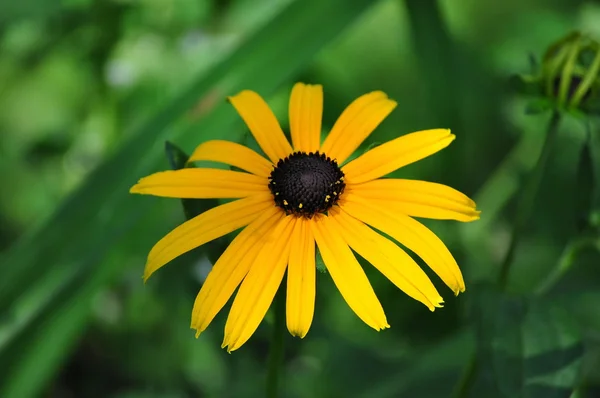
(15, 10)
(537, 106)
(526, 84)
(425, 372)
(503, 184)
(100, 213)
(595, 219)
(531, 348)
(592, 105)
(534, 64)
(41, 350)
(31, 304)
(147, 394)
(585, 185)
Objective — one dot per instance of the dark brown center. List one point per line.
(305, 184)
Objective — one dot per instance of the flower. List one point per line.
(306, 195)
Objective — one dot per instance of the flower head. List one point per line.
(306, 195)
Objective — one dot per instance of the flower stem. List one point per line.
(528, 199)
(567, 258)
(467, 379)
(524, 208)
(276, 349)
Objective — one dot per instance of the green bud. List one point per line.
(568, 77)
(572, 70)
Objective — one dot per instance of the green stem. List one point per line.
(523, 211)
(276, 349)
(467, 379)
(567, 258)
(528, 199)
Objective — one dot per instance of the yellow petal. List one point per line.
(417, 198)
(356, 123)
(397, 153)
(347, 274)
(412, 234)
(201, 184)
(306, 111)
(262, 124)
(301, 290)
(209, 225)
(231, 268)
(233, 154)
(388, 258)
(259, 287)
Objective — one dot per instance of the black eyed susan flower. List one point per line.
(305, 195)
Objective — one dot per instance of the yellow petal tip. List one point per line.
(459, 290)
(437, 303)
(472, 216)
(302, 84)
(297, 333)
(146, 276)
(243, 92)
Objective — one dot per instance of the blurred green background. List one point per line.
(90, 90)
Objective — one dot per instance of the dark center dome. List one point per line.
(304, 184)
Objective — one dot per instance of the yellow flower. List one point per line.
(301, 196)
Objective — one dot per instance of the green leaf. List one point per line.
(537, 106)
(592, 106)
(38, 352)
(531, 348)
(534, 64)
(526, 84)
(97, 219)
(371, 146)
(176, 156)
(319, 262)
(585, 185)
